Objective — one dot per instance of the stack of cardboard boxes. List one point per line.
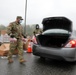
(4, 48)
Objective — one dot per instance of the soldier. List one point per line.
(37, 30)
(15, 31)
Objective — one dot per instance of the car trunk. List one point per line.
(57, 22)
(55, 39)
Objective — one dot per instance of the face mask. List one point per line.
(20, 21)
(37, 27)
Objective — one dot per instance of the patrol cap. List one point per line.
(19, 17)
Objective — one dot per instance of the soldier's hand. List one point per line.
(13, 40)
(23, 36)
(12, 36)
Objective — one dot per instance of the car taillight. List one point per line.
(71, 44)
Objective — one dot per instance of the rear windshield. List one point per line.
(61, 31)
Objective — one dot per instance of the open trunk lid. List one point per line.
(57, 22)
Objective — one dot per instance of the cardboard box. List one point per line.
(4, 49)
(25, 45)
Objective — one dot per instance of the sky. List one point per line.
(36, 10)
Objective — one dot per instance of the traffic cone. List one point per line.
(29, 50)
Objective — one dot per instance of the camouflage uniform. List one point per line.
(37, 31)
(15, 29)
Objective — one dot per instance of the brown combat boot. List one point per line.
(10, 61)
(22, 61)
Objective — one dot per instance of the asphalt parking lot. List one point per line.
(36, 66)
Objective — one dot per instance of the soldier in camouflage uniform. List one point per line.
(15, 30)
(37, 30)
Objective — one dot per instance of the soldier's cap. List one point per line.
(19, 17)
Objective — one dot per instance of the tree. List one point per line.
(2, 27)
(30, 29)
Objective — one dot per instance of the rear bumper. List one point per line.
(68, 54)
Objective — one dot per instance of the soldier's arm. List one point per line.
(41, 30)
(34, 32)
(9, 29)
(23, 32)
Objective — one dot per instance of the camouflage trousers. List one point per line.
(16, 46)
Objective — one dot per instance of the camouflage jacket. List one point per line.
(37, 31)
(15, 29)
